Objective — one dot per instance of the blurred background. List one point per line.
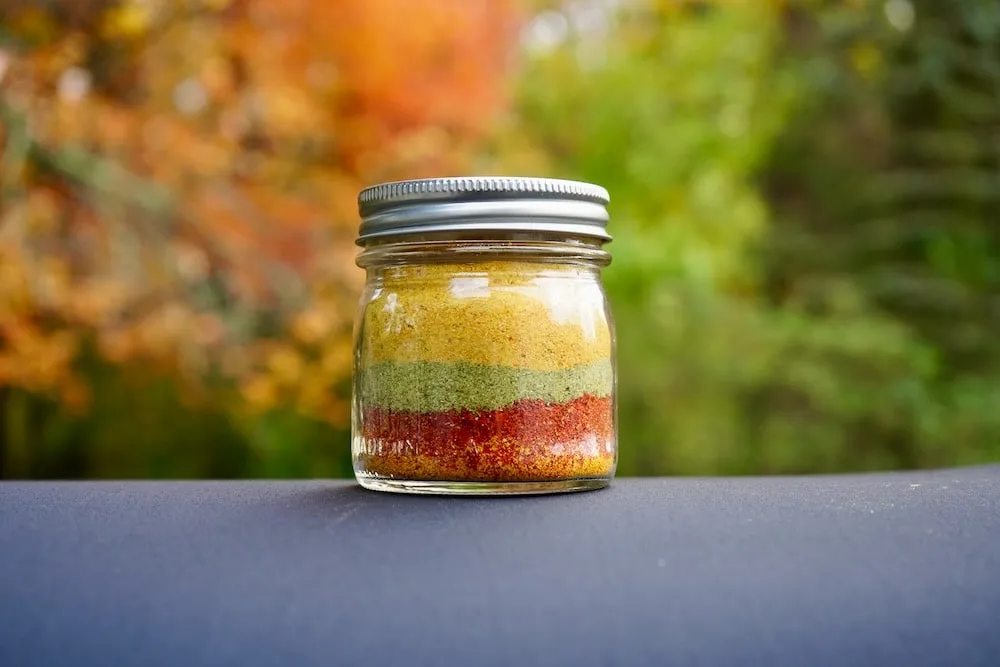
(806, 210)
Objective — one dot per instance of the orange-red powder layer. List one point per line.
(530, 440)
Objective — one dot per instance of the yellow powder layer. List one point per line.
(522, 315)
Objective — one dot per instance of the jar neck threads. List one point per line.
(462, 251)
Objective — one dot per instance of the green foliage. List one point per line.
(817, 290)
(891, 220)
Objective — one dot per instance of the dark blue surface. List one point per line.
(897, 569)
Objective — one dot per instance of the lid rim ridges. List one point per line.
(411, 191)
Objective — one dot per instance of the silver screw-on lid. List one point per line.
(483, 203)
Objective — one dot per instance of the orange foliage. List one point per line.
(176, 176)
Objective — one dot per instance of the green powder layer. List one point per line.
(425, 386)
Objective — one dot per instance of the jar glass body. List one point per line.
(484, 367)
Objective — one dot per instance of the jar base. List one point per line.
(445, 488)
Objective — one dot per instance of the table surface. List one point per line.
(880, 569)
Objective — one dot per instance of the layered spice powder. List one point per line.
(486, 372)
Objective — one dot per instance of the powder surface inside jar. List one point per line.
(528, 440)
(538, 316)
(427, 386)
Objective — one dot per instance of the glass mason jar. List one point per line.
(484, 354)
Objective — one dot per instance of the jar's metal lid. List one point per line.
(483, 203)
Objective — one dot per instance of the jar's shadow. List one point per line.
(340, 503)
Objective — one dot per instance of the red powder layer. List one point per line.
(530, 440)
